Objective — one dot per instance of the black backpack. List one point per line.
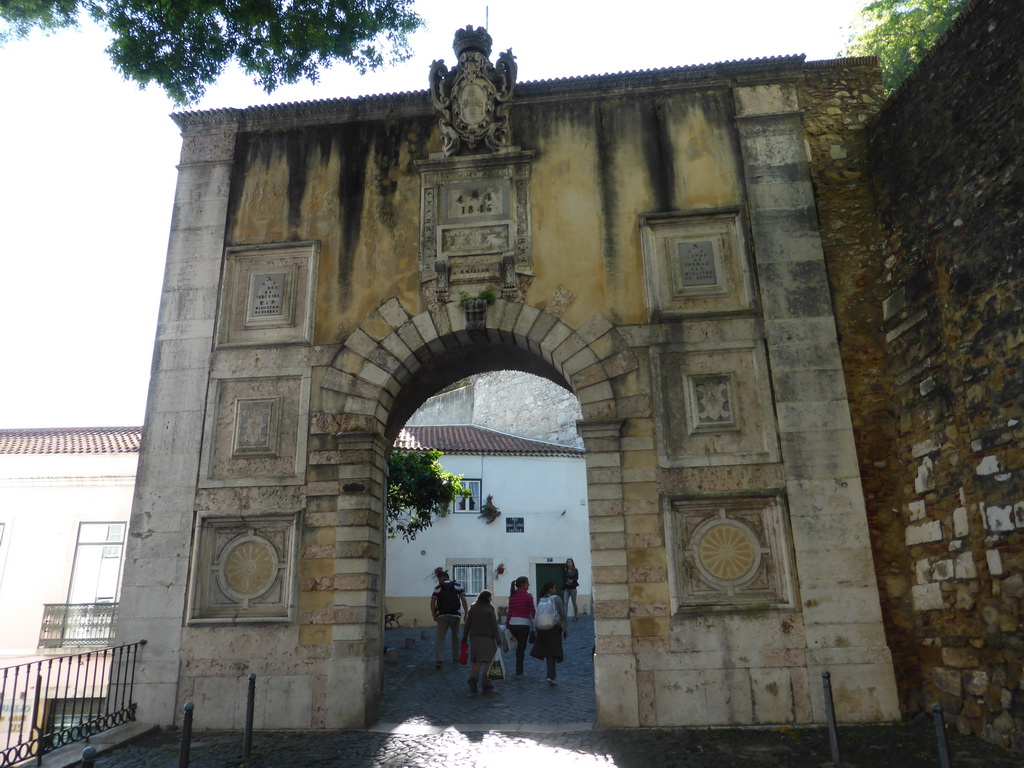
(448, 599)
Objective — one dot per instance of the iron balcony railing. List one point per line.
(50, 703)
(77, 625)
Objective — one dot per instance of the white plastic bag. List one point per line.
(496, 671)
(508, 640)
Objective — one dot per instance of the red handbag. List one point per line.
(464, 654)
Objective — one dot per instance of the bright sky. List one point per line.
(88, 171)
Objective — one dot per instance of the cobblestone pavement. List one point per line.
(415, 692)
(429, 719)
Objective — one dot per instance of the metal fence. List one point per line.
(77, 625)
(50, 703)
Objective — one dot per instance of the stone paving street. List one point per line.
(429, 719)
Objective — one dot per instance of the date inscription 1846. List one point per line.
(479, 201)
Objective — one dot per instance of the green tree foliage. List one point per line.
(419, 489)
(183, 45)
(901, 32)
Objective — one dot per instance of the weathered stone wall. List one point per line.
(509, 401)
(522, 404)
(946, 159)
(668, 269)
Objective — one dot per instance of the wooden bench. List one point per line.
(391, 619)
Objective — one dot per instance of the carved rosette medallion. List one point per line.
(727, 552)
(732, 552)
(470, 98)
(248, 567)
(243, 569)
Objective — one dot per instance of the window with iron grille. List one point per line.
(472, 576)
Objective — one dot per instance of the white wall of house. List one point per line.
(44, 499)
(548, 493)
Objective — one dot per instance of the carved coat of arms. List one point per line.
(471, 97)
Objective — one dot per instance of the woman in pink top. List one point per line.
(519, 618)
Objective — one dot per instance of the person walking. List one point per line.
(570, 583)
(446, 609)
(552, 627)
(481, 631)
(519, 618)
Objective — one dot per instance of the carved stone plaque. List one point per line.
(696, 263)
(732, 551)
(269, 295)
(711, 402)
(271, 298)
(477, 201)
(252, 434)
(256, 426)
(243, 569)
(475, 227)
(714, 406)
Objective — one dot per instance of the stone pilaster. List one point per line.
(355, 673)
(839, 594)
(615, 672)
(157, 554)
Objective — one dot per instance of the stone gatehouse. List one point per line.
(693, 252)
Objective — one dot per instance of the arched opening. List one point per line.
(457, 361)
(526, 518)
(378, 380)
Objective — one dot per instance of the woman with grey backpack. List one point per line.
(552, 627)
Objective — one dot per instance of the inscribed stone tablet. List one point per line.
(697, 263)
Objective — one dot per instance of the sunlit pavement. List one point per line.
(429, 718)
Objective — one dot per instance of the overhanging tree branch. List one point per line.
(184, 45)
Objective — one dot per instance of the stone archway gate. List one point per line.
(648, 240)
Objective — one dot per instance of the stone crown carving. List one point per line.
(471, 98)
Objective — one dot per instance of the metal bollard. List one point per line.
(89, 757)
(830, 715)
(940, 736)
(250, 706)
(186, 736)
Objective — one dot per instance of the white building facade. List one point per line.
(65, 500)
(540, 490)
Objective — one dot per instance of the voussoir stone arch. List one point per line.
(383, 371)
(391, 347)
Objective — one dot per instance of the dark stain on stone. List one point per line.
(353, 487)
(354, 146)
(659, 155)
(297, 156)
(607, 137)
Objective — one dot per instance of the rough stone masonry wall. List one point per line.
(840, 98)
(946, 160)
(524, 404)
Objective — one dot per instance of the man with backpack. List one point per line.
(446, 605)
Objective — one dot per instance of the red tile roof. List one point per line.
(70, 440)
(466, 439)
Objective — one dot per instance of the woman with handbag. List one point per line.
(551, 629)
(519, 618)
(481, 629)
